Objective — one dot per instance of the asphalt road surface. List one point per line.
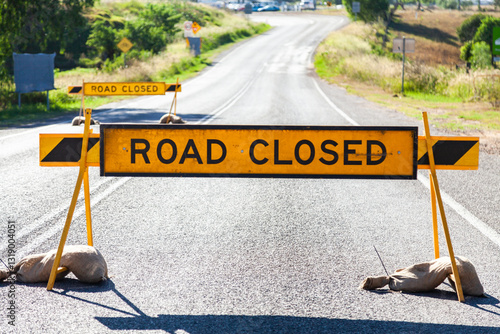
(247, 255)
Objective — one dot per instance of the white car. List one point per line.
(306, 5)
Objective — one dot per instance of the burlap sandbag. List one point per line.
(85, 262)
(426, 276)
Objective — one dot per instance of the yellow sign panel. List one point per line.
(61, 150)
(125, 45)
(74, 90)
(128, 88)
(195, 27)
(258, 151)
(459, 153)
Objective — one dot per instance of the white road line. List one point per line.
(457, 207)
(30, 131)
(230, 103)
(78, 212)
(466, 214)
(51, 215)
(337, 109)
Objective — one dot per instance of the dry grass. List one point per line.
(435, 33)
(136, 70)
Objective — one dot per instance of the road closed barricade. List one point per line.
(261, 152)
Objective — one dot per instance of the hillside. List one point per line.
(435, 34)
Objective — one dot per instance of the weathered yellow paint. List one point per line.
(258, 151)
(469, 160)
(75, 90)
(127, 88)
(49, 143)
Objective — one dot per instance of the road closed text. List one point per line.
(124, 88)
(304, 152)
(258, 151)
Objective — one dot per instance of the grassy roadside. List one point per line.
(174, 63)
(450, 94)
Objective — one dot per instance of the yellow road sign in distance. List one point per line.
(195, 27)
(258, 151)
(128, 88)
(125, 45)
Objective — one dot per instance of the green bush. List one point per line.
(447, 4)
(370, 10)
(198, 14)
(485, 31)
(468, 28)
(154, 28)
(103, 39)
(465, 51)
(481, 55)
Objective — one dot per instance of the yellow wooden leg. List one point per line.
(458, 284)
(434, 218)
(83, 166)
(86, 189)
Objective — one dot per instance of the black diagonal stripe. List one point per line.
(448, 152)
(68, 150)
(171, 88)
(75, 90)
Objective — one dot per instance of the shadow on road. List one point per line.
(208, 324)
(137, 115)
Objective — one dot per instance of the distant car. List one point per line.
(256, 8)
(269, 8)
(306, 5)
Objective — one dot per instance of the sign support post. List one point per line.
(434, 218)
(403, 45)
(403, 71)
(435, 185)
(81, 175)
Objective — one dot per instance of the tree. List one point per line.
(154, 28)
(370, 10)
(468, 28)
(485, 31)
(103, 38)
(37, 26)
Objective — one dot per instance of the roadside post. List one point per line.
(33, 73)
(125, 45)
(193, 42)
(403, 45)
(188, 31)
(356, 8)
(248, 9)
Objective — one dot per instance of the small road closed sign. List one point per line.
(258, 151)
(128, 88)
